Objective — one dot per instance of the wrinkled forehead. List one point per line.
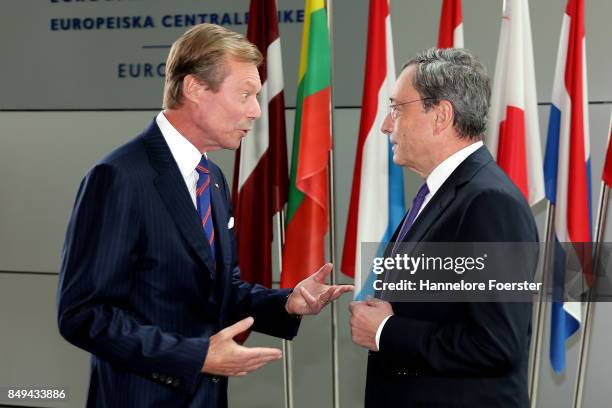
(243, 73)
(403, 86)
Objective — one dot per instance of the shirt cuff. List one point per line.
(379, 332)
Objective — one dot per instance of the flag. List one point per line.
(307, 208)
(450, 34)
(513, 135)
(607, 171)
(260, 168)
(567, 169)
(377, 197)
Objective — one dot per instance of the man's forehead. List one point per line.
(403, 85)
(244, 69)
(243, 74)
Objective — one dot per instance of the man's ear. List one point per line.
(444, 116)
(192, 88)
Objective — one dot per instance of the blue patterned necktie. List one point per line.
(417, 203)
(203, 203)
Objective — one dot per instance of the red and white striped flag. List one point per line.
(450, 34)
(260, 169)
(513, 135)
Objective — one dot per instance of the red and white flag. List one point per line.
(513, 135)
(260, 169)
(450, 34)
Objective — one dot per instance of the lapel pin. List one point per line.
(216, 185)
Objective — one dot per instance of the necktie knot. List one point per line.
(202, 167)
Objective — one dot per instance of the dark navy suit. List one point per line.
(459, 354)
(139, 289)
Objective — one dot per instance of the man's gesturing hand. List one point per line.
(227, 358)
(312, 294)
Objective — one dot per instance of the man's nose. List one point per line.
(254, 110)
(387, 125)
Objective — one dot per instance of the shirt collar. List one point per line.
(186, 155)
(443, 171)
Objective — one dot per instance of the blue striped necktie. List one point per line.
(203, 203)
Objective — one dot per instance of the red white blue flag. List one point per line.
(567, 169)
(377, 196)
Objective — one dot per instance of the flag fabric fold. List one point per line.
(607, 171)
(307, 208)
(450, 33)
(376, 205)
(513, 135)
(260, 168)
(567, 170)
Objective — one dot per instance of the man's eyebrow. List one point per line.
(253, 84)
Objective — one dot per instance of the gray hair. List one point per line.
(455, 75)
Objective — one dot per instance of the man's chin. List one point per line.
(396, 159)
(235, 145)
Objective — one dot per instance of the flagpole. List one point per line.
(585, 339)
(287, 351)
(332, 218)
(540, 313)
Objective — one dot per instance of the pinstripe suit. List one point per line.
(138, 288)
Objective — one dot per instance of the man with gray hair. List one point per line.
(149, 282)
(448, 354)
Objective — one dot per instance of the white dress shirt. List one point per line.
(186, 155)
(434, 181)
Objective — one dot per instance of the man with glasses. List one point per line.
(448, 354)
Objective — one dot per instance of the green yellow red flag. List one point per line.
(307, 207)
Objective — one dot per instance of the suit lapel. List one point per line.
(433, 210)
(175, 195)
(446, 194)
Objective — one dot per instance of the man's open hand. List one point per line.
(312, 294)
(227, 358)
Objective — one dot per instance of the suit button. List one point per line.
(176, 382)
(155, 376)
(215, 380)
(169, 380)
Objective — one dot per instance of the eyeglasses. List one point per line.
(394, 112)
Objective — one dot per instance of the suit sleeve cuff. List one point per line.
(379, 331)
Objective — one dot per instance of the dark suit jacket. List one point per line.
(459, 354)
(138, 288)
